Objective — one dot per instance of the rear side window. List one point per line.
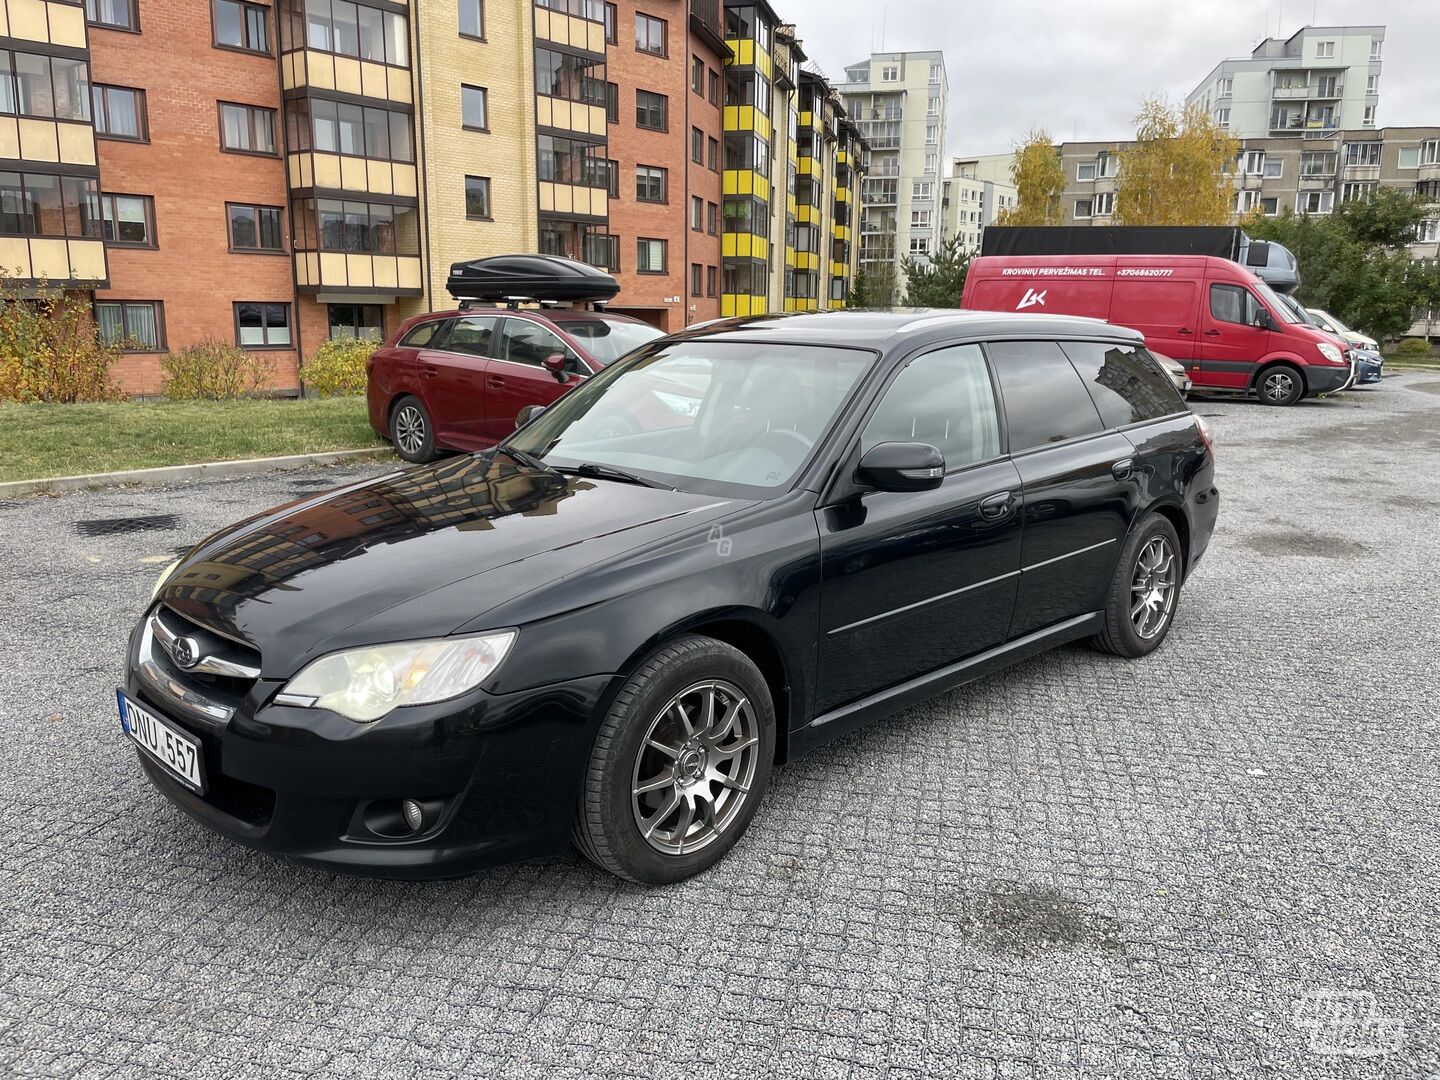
(1045, 400)
(1126, 383)
(1232, 304)
(943, 398)
(422, 335)
(472, 336)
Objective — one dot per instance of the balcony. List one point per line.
(707, 23)
(336, 271)
(1290, 93)
(316, 70)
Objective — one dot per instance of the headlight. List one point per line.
(365, 684)
(164, 577)
(1331, 353)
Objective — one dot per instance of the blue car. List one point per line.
(1368, 366)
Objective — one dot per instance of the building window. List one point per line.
(113, 14)
(119, 113)
(697, 278)
(1316, 202)
(602, 250)
(714, 88)
(712, 218)
(934, 73)
(477, 198)
(1325, 50)
(1084, 208)
(134, 325)
(711, 275)
(919, 245)
(1427, 232)
(697, 146)
(1372, 85)
(348, 29)
(356, 322)
(1222, 117)
(472, 24)
(247, 129)
(650, 255)
(40, 204)
(1253, 163)
(127, 220)
(712, 154)
(1375, 47)
(1270, 206)
(922, 189)
(609, 170)
(1369, 118)
(241, 25)
(890, 73)
(697, 213)
(932, 162)
(337, 127)
(1274, 168)
(262, 326)
(1362, 153)
(920, 219)
(255, 228)
(697, 75)
(932, 134)
(474, 114)
(650, 110)
(649, 183)
(612, 18)
(1104, 203)
(1362, 189)
(650, 34)
(612, 102)
(1085, 171)
(51, 87)
(358, 227)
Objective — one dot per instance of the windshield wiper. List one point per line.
(609, 472)
(524, 457)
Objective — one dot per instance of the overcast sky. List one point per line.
(1081, 67)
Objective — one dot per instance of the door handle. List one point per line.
(1184, 330)
(1212, 333)
(996, 506)
(429, 372)
(495, 382)
(1122, 469)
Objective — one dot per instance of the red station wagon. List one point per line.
(456, 380)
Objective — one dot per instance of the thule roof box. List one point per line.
(520, 279)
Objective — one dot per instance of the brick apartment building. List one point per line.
(274, 174)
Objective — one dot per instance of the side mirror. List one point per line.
(1263, 320)
(902, 466)
(555, 364)
(528, 413)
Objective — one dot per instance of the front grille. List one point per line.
(219, 670)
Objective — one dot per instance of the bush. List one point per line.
(1413, 346)
(50, 349)
(213, 371)
(338, 367)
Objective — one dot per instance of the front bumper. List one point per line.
(1322, 379)
(502, 771)
(1368, 371)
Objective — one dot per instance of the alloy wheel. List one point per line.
(1279, 385)
(1153, 587)
(409, 429)
(695, 767)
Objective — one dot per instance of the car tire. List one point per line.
(1280, 384)
(412, 432)
(1136, 618)
(648, 757)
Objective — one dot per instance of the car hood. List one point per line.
(413, 554)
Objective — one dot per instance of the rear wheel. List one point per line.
(1145, 591)
(411, 430)
(1280, 384)
(679, 765)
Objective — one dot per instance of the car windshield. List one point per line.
(701, 415)
(1340, 327)
(608, 339)
(1272, 300)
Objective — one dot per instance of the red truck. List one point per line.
(1222, 322)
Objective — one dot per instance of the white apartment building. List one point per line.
(1320, 80)
(898, 100)
(971, 200)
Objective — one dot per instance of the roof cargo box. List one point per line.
(529, 277)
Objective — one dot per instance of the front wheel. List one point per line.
(1280, 385)
(679, 764)
(1145, 591)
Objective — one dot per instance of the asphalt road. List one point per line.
(1082, 866)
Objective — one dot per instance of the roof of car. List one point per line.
(884, 329)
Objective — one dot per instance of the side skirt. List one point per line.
(867, 710)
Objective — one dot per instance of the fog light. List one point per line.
(414, 814)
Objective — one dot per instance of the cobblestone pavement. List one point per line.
(1082, 866)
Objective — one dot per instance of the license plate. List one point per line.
(167, 744)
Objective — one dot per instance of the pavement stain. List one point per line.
(1027, 920)
(1313, 544)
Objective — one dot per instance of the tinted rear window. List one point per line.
(1045, 401)
(1126, 383)
(608, 339)
(422, 335)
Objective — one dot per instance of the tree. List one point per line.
(875, 287)
(1174, 171)
(1039, 180)
(939, 282)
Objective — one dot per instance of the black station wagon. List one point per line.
(717, 554)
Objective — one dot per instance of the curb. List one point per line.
(169, 474)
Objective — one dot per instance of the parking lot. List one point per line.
(1081, 866)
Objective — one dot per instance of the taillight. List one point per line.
(1207, 433)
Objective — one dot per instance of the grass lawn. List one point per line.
(40, 441)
